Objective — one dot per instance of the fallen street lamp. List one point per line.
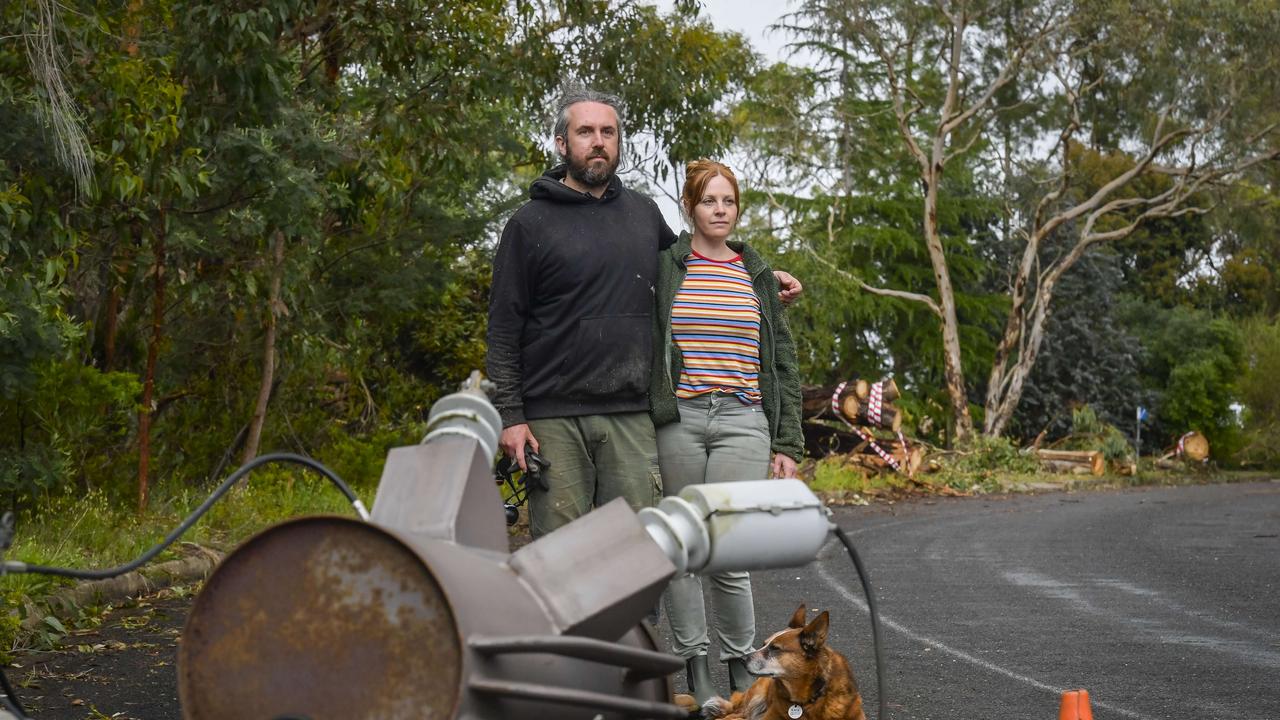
(422, 612)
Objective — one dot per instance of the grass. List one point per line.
(836, 476)
(95, 531)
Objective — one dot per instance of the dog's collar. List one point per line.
(797, 709)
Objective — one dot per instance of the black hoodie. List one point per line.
(570, 311)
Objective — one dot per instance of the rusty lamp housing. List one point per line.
(423, 613)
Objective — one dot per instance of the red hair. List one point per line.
(697, 175)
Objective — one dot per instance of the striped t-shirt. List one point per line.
(715, 321)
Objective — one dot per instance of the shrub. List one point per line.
(1261, 402)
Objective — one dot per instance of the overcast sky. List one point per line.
(752, 18)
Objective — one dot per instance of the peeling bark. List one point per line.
(953, 372)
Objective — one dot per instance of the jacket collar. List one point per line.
(550, 186)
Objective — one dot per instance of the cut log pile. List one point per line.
(864, 408)
(1191, 448)
(856, 400)
(868, 419)
(1076, 462)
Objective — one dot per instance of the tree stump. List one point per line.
(1194, 446)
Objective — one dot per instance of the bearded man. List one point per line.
(571, 322)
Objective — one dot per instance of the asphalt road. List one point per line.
(1162, 602)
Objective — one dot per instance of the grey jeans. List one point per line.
(594, 459)
(718, 439)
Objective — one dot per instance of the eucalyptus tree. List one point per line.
(1004, 88)
(828, 193)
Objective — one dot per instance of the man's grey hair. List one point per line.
(576, 93)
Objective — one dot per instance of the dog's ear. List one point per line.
(814, 635)
(797, 620)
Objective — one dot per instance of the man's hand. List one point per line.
(513, 440)
(782, 466)
(790, 287)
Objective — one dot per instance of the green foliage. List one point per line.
(835, 474)
(884, 112)
(68, 426)
(358, 459)
(1247, 234)
(383, 143)
(1084, 421)
(34, 468)
(1089, 357)
(32, 326)
(674, 71)
(10, 623)
(273, 495)
(1191, 363)
(1088, 432)
(832, 474)
(988, 465)
(1258, 392)
(1115, 446)
(990, 454)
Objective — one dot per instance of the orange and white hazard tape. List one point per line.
(868, 437)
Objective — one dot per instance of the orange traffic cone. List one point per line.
(1075, 706)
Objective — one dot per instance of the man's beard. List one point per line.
(583, 172)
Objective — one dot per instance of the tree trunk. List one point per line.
(1008, 381)
(153, 351)
(1192, 446)
(821, 440)
(953, 371)
(1067, 467)
(1091, 460)
(110, 326)
(268, 353)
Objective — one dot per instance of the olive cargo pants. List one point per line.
(594, 459)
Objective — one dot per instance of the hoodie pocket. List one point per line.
(610, 356)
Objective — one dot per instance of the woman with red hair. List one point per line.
(725, 398)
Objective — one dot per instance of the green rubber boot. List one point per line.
(698, 675)
(739, 678)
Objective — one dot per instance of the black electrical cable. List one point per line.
(875, 622)
(15, 567)
(11, 699)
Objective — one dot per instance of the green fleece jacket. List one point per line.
(779, 374)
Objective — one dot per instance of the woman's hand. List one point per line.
(782, 466)
(789, 287)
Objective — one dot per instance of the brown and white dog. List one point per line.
(798, 678)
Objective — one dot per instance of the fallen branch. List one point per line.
(196, 566)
